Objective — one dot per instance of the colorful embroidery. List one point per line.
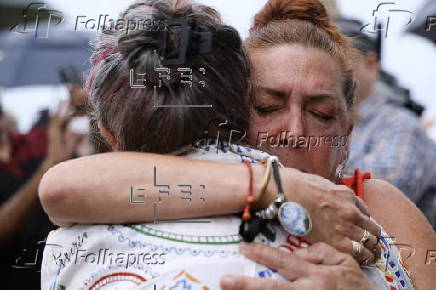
(168, 250)
(190, 239)
(116, 274)
(115, 277)
(184, 281)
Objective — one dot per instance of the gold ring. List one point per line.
(357, 248)
(365, 238)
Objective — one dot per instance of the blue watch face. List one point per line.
(294, 219)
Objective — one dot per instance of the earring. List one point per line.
(341, 166)
(339, 173)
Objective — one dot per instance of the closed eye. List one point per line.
(266, 110)
(321, 116)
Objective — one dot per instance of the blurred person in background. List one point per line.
(24, 159)
(388, 139)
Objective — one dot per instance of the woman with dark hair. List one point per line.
(303, 84)
(154, 90)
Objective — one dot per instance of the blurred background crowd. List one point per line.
(44, 52)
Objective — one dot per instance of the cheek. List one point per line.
(324, 160)
(257, 126)
(326, 157)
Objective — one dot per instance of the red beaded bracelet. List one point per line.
(246, 216)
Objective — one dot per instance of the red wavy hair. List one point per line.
(304, 22)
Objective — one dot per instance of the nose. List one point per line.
(293, 122)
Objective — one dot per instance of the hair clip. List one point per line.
(189, 39)
(184, 41)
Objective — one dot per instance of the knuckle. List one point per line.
(281, 259)
(328, 204)
(344, 192)
(321, 246)
(342, 188)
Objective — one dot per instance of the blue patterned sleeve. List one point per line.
(399, 155)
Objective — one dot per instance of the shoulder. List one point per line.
(380, 194)
(400, 117)
(390, 207)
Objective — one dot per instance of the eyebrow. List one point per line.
(321, 97)
(281, 94)
(273, 92)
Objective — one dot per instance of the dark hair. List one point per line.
(304, 22)
(130, 114)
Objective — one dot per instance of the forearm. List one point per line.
(97, 189)
(14, 211)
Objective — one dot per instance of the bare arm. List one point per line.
(15, 210)
(96, 189)
(402, 220)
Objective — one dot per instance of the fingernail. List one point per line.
(227, 281)
(244, 247)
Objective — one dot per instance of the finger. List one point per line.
(352, 232)
(359, 214)
(371, 244)
(234, 282)
(369, 225)
(321, 253)
(374, 230)
(289, 265)
(363, 257)
(377, 250)
(353, 215)
(362, 206)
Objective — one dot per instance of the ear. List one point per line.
(108, 136)
(349, 133)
